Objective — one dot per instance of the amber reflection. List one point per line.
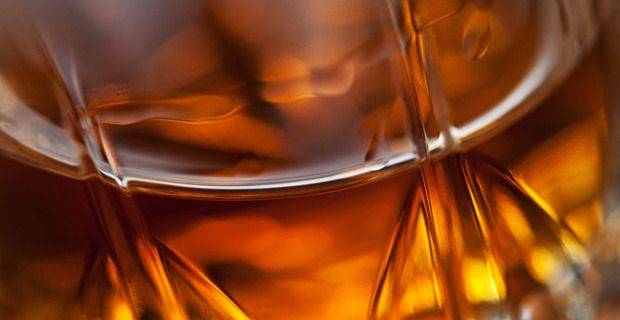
(498, 231)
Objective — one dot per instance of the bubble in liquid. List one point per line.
(477, 36)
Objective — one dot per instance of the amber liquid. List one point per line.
(253, 92)
(497, 231)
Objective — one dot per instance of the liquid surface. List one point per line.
(499, 231)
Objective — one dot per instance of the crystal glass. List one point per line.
(328, 159)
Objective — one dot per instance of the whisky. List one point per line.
(493, 230)
(231, 172)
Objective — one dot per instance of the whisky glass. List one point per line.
(329, 159)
